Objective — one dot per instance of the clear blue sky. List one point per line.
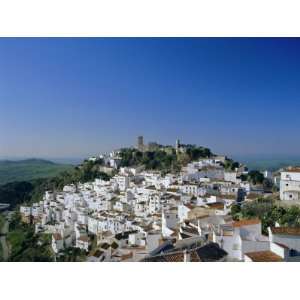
(75, 97)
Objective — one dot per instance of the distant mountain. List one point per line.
(28, 169)
(268, 162)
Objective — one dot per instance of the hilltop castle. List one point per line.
(154, 146)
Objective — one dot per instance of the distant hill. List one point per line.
(268, 162)
(28, 169)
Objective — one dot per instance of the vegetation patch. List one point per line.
(165, 159)
(29, 169)
(268, 212)
(25, 245)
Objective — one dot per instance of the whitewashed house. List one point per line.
(288, 236)
(190, 189)
(83, 242)
(122, 182)
(137, 239)
(183, 211)
(169, 222)
(241, 237)
(57, 242)
(231, 177)
(290, 184)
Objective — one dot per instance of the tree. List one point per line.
(268, 213)
(291, 217)
(16, 193)
(230, 165)
(267, 184)
(255, 177)
(235, 211)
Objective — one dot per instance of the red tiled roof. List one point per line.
(216, 205)
(246, 222)
(84, 239)
(190, 206)
(57, 236)
(264, 256)
(286, 230)
(292, 169)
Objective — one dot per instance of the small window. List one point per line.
(235, 247)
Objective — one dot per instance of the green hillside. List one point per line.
(26, 170)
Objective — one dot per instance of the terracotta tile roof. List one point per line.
(126, 256)
(292, 169)
(231, 197)
(173, 257)
(246, 222)
(190, 206)
(84, 239)
(252, 196)
(264, 256)
(216, 205)
(286, 230)
(172, 190)
(194, 257)
(57, 236)
(201, 217)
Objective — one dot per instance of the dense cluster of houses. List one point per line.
(143, 216)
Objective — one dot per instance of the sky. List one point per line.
(65, 97)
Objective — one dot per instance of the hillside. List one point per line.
(32, 190)
(29, 169)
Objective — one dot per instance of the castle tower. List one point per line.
(140, 143)
(177, 146)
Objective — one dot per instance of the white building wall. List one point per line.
(292, 242)
(290, 186)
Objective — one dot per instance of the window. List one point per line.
(235, 247)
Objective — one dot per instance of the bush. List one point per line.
(268, 213)
(166, 161)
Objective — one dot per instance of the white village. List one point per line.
(141, 215)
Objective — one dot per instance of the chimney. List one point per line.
(186, 256)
